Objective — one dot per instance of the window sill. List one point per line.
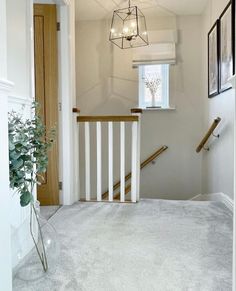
(159, 109)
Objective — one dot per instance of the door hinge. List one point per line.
(60, 185)
(59, 106)
(58, 26)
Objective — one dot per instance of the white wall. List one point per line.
(218, 164)
(107, 84)
(18, 46)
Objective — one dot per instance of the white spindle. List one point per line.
(99, 162)
(134, 180)
(122, 162)
(138, 161)
(87, 161)
(110, 160)
(77, 158)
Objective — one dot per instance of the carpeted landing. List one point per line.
(48, 211)
(154, 245)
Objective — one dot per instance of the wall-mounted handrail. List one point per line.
(128, 176)
(208, 134)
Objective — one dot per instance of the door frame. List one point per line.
(233, 82)
(67, 135)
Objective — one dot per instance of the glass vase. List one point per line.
(44, 257)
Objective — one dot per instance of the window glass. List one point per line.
(154, 86)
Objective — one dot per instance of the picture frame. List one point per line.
(227, 46)
(213, 60)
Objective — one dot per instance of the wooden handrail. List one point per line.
(208, 134)
(125, 118)
(136, 110)
(144, 164)
(127, 190)
(154, 156)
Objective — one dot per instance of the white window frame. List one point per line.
(165, 87)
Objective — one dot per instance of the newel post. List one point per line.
(138, 112)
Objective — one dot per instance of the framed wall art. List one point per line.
(227, 46)
(213, 60)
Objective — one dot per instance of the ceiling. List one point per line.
(100, 9)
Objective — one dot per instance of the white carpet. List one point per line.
(154, 245)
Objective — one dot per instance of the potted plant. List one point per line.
(29, 143)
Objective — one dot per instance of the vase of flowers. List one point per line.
(153, 83)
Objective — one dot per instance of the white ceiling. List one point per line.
(99, 9)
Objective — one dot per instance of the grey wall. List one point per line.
(218, 164)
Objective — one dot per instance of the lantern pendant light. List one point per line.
(128, 28)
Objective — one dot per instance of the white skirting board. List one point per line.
(221, 197)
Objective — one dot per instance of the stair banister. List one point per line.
(135, 152)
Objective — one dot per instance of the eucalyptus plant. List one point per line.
(29, 143)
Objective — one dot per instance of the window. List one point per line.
(154, 86)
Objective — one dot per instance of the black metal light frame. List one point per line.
(131, 10)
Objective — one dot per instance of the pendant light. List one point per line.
(128, 28)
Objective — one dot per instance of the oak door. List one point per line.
(46, 91)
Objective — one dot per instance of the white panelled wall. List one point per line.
(5, 241)
(19, 64)
(5, 88)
